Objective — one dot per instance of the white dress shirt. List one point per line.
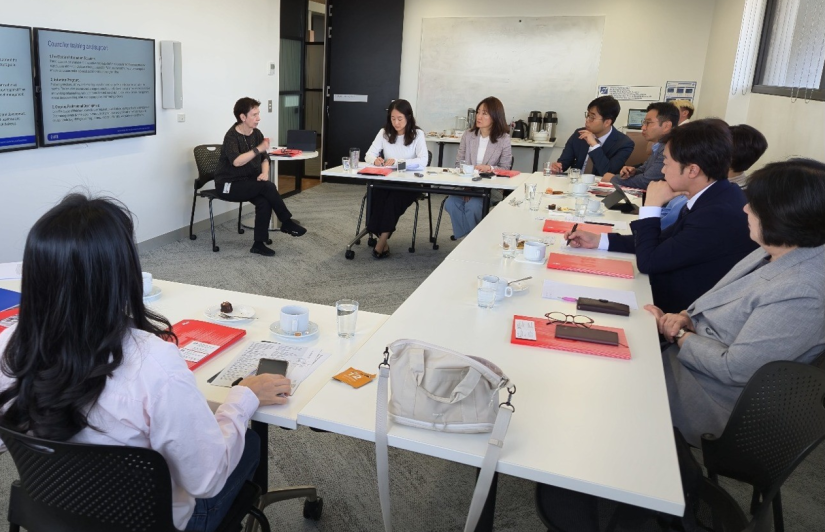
(152, 401)
(415, 154)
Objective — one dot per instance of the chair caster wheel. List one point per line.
(371, 242)
(452, 237)
(349, 254)
(240, 231)
(193, 237)
(435, 246)
(215, 249)
(432, 239)
(411, 250)
(269, 241)
(313, 509)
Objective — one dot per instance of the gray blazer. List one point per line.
(759, 312)
(498, 153)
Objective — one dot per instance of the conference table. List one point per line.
(596, 425)
(537, 146)
(432, 180)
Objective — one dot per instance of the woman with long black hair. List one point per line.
(88, 363)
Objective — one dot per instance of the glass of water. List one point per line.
(574, 174)
(486, 296)
(347, 310)
(509, 243)
(581, 207)
(401, 165)
(530, 190)
(535, 202)
(345, 162)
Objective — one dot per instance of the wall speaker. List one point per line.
(171, 75)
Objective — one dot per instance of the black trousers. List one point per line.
(266, 199)
(386, 208)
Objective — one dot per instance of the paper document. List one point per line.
(11, 270)
(302, 362)
(556, 290)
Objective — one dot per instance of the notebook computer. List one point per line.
(635, 117)
(300, 139)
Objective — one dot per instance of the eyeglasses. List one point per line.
(648, 123)
(591, 117)
(575, 319)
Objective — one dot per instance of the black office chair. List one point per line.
(72, 487)
(206, 158)
(371, 241)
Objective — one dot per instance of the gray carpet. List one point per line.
(428, 494)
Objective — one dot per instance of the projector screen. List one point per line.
(94, 87)
(17, 117)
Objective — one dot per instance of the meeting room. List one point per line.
(413, 264)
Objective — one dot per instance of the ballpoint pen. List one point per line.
(575, 226)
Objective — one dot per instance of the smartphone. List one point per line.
(478, 178)
(276, 367)
(602, 305)
(419, 174)
(486, 174)
(583, 334)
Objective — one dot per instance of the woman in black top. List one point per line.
(243, 175)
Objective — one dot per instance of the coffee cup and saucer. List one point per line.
(150, 292)
(294, 324)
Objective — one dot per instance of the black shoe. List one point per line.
(383, 255)
(291, 228)
(261, 249)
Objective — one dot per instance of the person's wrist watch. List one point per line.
(679, 334)
(255, 150)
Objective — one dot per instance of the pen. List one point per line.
(575, 226)
(569, 299)
(600, 223)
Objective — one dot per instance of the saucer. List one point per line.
(520, 258)
(578, 195)
(152, 295)
(312, 332)
(239, 313)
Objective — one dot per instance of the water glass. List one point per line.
(401, 165)
(509, 244)
(535, 202)
(530, 190)
(574, 174)
(347, 310)
(354, 157)
(547, 168)
(486, 296)
(581, 207)
(345, 162)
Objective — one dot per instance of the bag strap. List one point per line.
(488, 464)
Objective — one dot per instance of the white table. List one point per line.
(274, 223)
(595, 425)
(516, 143)
(433, 180)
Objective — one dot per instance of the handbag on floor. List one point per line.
(443, 390)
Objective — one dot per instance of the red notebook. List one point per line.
(546, 338)
(373, 170)
(199, 341)
(596, 266)
(507, 173)
(8, 317)
(556, 226)
(286, 153)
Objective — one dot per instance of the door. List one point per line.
(364, 47)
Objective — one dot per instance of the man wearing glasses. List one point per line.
(661, 117)
(599, 148)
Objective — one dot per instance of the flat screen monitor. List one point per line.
(18, 129)
(635, 117)
(94, 87)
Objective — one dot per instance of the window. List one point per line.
(792, 50)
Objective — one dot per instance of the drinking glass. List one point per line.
(401, 165)
(486, 296)
(509, 243)
(574, 174)
(354, 157)
(535, 202)
(530, 190)
(347, 310)
(547, 170)
(345, 162)
(581, 207)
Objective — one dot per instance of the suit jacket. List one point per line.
(685, 260)
(759, 312)
(610, 157)
(498, 153)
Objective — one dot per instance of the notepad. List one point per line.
(594, 265)
(374, 170)
(507, 173)
(557, 226)
(199, 341)
(546, 337)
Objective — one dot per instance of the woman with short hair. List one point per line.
(770, 306)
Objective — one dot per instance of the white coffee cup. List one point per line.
(467, 169)
(594, 205)
(294, 318)
(579, 188)
(534, 251)
(147, 283)
(500, 285)
(588, 178)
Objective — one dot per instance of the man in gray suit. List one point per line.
(770, 306)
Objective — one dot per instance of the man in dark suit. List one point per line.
(599, 148)
(711, 235)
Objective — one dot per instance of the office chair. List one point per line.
(72, 487)
(441, 213)
(371, 241)
(206, 158)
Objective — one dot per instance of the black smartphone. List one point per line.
(486, 174)
(419, 174)
(276, 367)
(583, 334)
(602, 305)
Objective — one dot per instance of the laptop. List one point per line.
(301, 139)
(635, 117)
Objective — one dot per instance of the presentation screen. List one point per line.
(17, 117)
(94, 87)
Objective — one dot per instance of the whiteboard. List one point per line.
(529, 63)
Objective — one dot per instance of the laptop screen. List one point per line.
(635, 117)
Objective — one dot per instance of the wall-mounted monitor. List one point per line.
(17, 116)
(93, 86)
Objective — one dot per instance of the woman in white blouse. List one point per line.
(400, 138)
(88, 363)
(486, 146)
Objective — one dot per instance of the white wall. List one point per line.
(646, 42)
(225, 50)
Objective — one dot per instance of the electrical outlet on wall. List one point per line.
(181, 117)
(271, 68)
(269, 105)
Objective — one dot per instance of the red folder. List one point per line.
(507, 173)
(596, 266)
(8, 317)
(556, 226)
(373, 170)
(286, 153)
(213, 339)
(546, 338)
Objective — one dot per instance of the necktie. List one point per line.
(683, 212)
(588, 166)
